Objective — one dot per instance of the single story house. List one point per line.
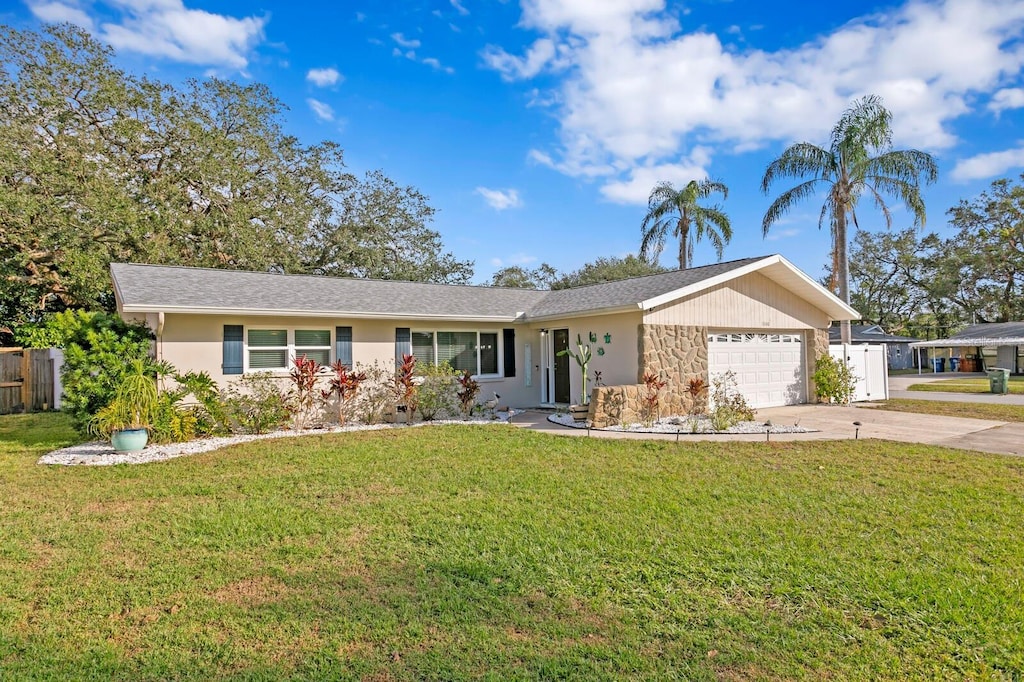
(983, 346)
(761, 318)
(897, 347)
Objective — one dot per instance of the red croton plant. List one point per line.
(343, 385)
(303, 376)
(406, 385)
(653, 384)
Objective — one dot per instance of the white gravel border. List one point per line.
(684, 426)
(101, 453)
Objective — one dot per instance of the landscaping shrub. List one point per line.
(730, 407)
(834, 380)
(405, 384)
(377, 394)
(255, 403)
(469, 389)
(304, 400)
(98, 348)
(652, 397)
(697, 389)
(342, 388)
(437, 391)
(175, 422)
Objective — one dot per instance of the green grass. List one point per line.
(469, 552)
(967, 385)
(995, 412)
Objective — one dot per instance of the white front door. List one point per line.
(768, 366)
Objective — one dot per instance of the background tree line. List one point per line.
(98, 165)
(923, 285)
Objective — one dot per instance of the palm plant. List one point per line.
(668, 207)
(859, 160)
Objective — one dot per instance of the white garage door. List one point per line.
(769, 368)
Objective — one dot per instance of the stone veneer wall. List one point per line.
(817, 345)
(677, 354)
(614, 405)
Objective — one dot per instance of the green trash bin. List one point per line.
(999, 380)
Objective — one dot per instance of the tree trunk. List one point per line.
(843, 263)
(683, 234)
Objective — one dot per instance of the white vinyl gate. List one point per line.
(869, 367)
(769, 367)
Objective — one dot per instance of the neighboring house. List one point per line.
(762, 318)
(993, 344)
(900, 356)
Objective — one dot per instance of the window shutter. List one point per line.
(510, 351)
(403, 343)
(232, 363)
(343, 345)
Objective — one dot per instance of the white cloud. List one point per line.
(321, 110)
(1007, 98)
(500, 199)
(167, 29)
(776, 235)
(405, 42)
(437, 65)
(459, 8)
(58, 12)
(514, 259)
(988, 165)
(635, 90)
(323, 77)
(641, 180)
(540, 54)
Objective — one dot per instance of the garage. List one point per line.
(769, 367)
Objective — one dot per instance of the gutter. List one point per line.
(510, 319)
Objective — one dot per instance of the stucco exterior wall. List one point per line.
(195, 342)
(753, 302)
(618, 364)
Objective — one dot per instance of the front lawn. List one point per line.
(991, 411)
(967, 385)
(463, 552)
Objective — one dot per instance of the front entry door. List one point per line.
(560, 342)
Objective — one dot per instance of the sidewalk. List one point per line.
(898, 389)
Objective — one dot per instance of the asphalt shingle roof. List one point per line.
(197, 288)
(992, 330)
(626, 292)
(154, 287)
(860, 333)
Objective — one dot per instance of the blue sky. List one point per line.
(538, 128)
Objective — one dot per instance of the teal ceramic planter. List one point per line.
(129, 440)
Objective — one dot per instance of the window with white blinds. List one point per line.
(473, 352)
(269, 350)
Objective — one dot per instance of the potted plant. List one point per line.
(126, 420)
(582, 357)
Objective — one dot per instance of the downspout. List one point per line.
(159, 345)
(160, 335)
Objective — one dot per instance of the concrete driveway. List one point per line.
(833, 422)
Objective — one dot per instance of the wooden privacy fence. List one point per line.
(27, 380)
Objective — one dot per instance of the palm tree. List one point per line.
(668, 207)
(860, 160)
